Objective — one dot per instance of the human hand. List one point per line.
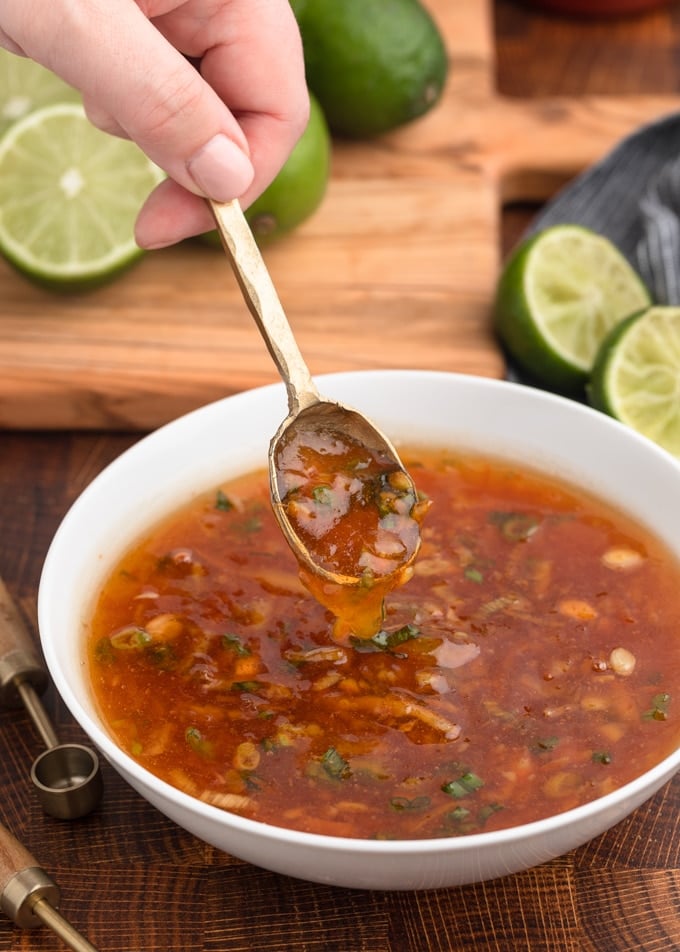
(222, 133)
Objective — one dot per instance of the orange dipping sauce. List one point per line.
(530, 665)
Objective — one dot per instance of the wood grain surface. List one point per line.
(133, 882)
(396, 269)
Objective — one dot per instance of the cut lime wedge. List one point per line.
(636, 377)
(26, 86)
(558, 296)
(69, 197)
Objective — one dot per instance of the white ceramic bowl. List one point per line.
(200, 450)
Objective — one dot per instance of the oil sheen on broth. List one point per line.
(528, 666)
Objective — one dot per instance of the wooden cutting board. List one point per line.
(397, 268)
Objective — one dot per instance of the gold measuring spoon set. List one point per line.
(66, 777)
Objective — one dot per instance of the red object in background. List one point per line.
(597, 8)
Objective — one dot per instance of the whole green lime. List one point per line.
(373, 64)
(298, 189)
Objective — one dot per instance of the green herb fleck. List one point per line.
(601, 757)
(386, 640)
(131, 639)
(335, 764)
(367, 579)
(323, 495)
(659, 709)
(163, 656)
(515, 526)
(473, 575)
(545, 744)
(400, 804)
(235, 644)
(198, 742)
(103, 651)
(246, 687)
(466, 784)
(487, 811)
(222, 501)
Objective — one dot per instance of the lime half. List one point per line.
(69, 197)
(558, 296)
(636, 377)
(26, 86)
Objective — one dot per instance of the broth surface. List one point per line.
(527, 667)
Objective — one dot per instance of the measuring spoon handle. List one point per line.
(22, 882)
(18, 658)
(29, 897)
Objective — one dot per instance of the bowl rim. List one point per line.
(638, 790)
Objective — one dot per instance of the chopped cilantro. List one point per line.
(246, 687)
(473, 575)
(601, 757)
(545, 744)
(488, 810)
(198, 742)
(104, 652)
(130, 639)
(386, 640)
(460, 820)
(659, 709)
(514, 526)
(323, 495)
(235, 644)
(335, 764)
(163, 656)
(222, 501)
(403, 803)
(466, 784)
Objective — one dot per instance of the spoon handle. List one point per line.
(264, 304)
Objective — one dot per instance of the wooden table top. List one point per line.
(131, 880)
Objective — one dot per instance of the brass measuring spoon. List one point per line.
(29, 897)
(308, 411)
(67, 777)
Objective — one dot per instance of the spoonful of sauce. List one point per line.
(342, 497)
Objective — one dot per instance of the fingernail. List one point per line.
(220, 169)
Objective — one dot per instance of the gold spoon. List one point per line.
(309, 414)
